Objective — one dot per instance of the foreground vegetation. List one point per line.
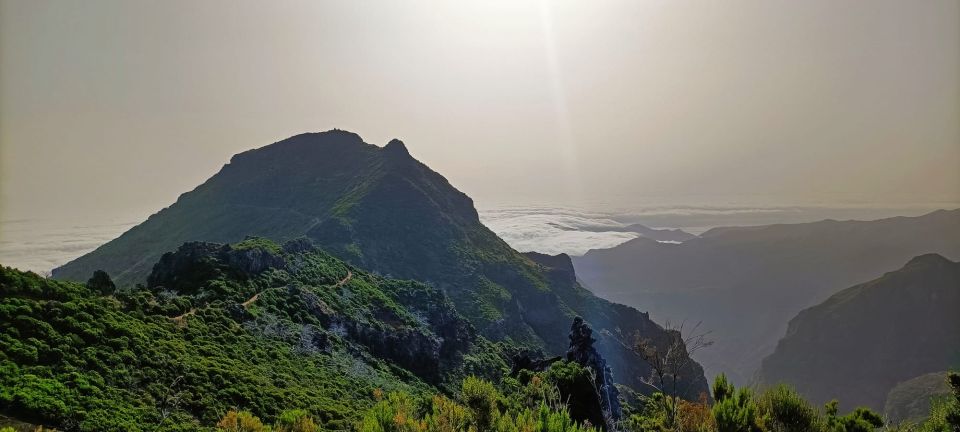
(777, 409)
(540, 406)
(256, 337)
(179, 354)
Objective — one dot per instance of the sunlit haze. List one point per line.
(114, 108)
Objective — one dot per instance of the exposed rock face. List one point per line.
(582, 351)
(558, 266)
(424, 344)
(252, 261)
(176, 270)
(299, 245)
(420, 350)
(202, 260)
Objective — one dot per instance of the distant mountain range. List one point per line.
(380, 209)
(861, 342)
(664, 235)
(745, 283)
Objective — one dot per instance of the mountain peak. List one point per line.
(396, 146)
(930, 259)
(379, 208)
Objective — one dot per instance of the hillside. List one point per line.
(253, 325)
(380, 209)
(911, 400)
(745, 283)
(862, 341)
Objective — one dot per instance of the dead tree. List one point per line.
(669, 360)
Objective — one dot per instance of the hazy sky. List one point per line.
(117, 106)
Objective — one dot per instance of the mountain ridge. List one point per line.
(744, 283)
(380, 209)
(862, 341)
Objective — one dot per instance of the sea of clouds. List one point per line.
(555, 230)
(40, 245)
(574, 231)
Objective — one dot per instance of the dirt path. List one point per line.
(344, 280)
(179, 319)
(339, 284)
(251, 299)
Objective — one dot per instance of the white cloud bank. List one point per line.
(555, 231)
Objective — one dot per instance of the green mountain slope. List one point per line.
(864, 340)
(252, 326)
(911, 400)
(380, 209)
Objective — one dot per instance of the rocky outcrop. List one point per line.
(421, 350)
(299, 245)
(418, 329)
(583, 353)
(558, 267)
(199, 261)
(252, 261)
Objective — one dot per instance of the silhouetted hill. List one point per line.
(380, 209)
(858, 344)
(669, 235)
(744, 283)
(911, 400)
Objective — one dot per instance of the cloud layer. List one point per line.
(574, 231)
(555, 230)
(41, 245)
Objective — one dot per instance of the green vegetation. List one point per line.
(478, 407)
(308, 332)
(912, 399)
(779, 409)
(260, 336)
(264, 337)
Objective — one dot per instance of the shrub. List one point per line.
(101, 283)
(479, 410)
(396, 413)
(786, 411)
(296, 421)
(695, 416)
(241, 421)
(860, 420)
(448, 416)
(735, 409)
(481, 398)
